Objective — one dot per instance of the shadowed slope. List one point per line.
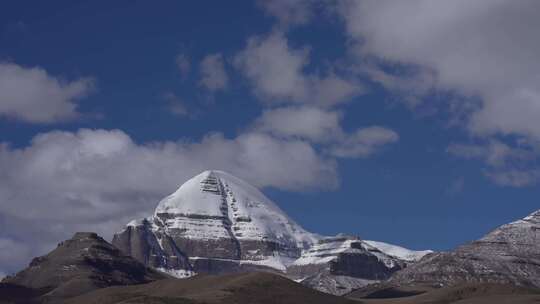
(474, 293)
(255, 287)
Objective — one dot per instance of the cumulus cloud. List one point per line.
(309, 123)
(276, 72)
(213, 74)
(486, 52)
(487, 49)
(33, 95)
(98, 180)
(323, 126)
(94, 168)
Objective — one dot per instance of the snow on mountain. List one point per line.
(329, 249)
(214, 195)
(217, 223)
(342, 263)
(398, 251)
(220, 223)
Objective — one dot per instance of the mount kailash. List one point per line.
(217, 223)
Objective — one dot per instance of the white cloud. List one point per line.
(323, 126)
(98, 180)
(486, 49)
(486, 53)
(96, 167)
(213, 74)
(277, 75)
(309, 123)
(364, 142)
(32, 95)
(505, 165)
(184, 65)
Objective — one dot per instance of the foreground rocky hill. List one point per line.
(216, 223)
(81, 264)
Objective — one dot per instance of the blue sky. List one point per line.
(350, 115)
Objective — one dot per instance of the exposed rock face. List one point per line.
(339, 264)
(81, 264)
(216, 223)
(509, 254)
(153, 248)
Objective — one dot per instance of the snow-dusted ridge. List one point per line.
(399, 252)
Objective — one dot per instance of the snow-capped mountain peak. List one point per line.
(247, 212)
(218, 223)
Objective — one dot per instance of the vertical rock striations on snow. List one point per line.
(153, 248)
(221, 223)
(217, 223)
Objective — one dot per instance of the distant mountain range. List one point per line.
(217, 233)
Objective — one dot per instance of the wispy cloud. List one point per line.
(213, 74)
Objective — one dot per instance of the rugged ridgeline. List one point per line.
(217, 223)
(81, 264)
(340, 264)
(508, 254)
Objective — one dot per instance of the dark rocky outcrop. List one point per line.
(81, 264)
(340, 264)
(153, 249)
(467, 293)
(16, 294)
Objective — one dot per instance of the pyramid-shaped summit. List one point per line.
(230, 208)
(219, 221)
